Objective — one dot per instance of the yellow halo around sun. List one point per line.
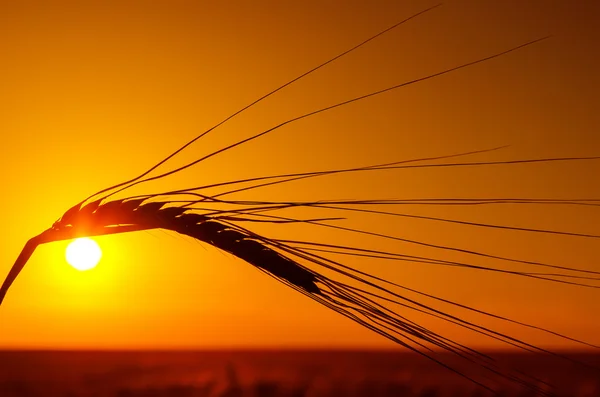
(83, 253)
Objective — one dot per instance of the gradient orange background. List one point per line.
(92, 93)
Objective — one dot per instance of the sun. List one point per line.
(83, 254)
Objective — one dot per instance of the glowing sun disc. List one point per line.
(83, 253)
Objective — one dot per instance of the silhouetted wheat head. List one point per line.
(312, 267)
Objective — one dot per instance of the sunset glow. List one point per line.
(95, 93)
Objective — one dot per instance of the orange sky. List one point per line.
(93, 93)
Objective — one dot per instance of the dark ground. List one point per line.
(272, 373)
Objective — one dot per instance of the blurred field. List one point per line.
(267, 373)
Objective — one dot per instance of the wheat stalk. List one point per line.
(306, 266)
